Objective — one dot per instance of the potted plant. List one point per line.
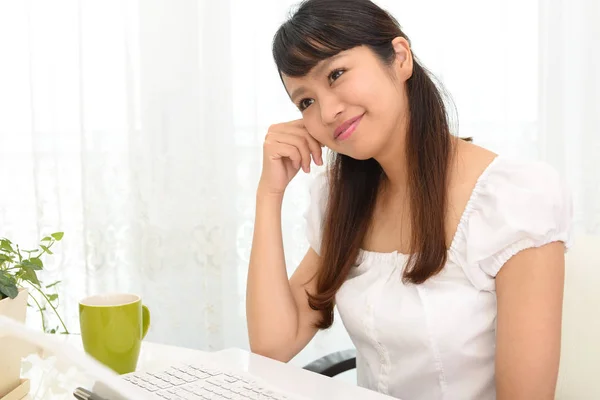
(19, 283)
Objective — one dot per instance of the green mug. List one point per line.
(112, 329)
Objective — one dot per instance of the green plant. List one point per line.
(18, 268)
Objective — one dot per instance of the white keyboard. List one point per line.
(197, 382)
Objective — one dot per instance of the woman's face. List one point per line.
(353, 103)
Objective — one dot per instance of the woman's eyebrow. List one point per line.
(325, 64)
(316, 71)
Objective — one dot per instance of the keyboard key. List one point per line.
(184, 394)
(210, 371)
(169, 396)
(219, 380)
(197, 373)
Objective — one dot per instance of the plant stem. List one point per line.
(43, 251)
(51, 305)
(41, 312)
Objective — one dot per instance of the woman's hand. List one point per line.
(287, 148)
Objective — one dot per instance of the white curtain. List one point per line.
(569, 97)
(135, 126)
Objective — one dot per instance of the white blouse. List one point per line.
(437, 340)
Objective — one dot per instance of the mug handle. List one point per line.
(145, 320)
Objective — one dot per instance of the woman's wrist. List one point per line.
(267, 194)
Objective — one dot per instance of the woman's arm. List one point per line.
(280, 321)
(529, 288)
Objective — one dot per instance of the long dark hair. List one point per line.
(318, 30)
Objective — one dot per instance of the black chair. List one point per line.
(334, 364)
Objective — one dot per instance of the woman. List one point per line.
(446, 261)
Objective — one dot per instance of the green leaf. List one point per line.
(33, 263)
(53, 284)
(9, 290)
(58, 235)
(7, 279)
(36, 261)
(52, 297)
(6, 246)
(31, 276)
(28, 265)
(46, 239)
(30, 251)
(4, 257)
(46, 249)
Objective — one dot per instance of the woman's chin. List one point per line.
(358, 155)
(358, 152)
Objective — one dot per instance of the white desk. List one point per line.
(155, 356)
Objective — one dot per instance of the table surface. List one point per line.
(46, 383)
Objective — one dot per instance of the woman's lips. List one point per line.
(346, 130)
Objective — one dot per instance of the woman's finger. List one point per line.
(277, 150)
(313, 145)
(300, 142)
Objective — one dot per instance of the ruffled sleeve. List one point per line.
(515, 206)
(315, 213)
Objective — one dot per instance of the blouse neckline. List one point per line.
(475, 193)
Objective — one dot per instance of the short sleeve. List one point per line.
(515, 206)
(315, 213)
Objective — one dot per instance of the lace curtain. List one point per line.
(136, 127)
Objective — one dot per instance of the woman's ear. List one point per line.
(403, 63)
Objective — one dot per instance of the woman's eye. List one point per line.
(335, 74)
(304, 104)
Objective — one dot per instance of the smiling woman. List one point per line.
(409, 226)
(361, 85)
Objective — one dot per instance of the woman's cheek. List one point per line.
(315, 130)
